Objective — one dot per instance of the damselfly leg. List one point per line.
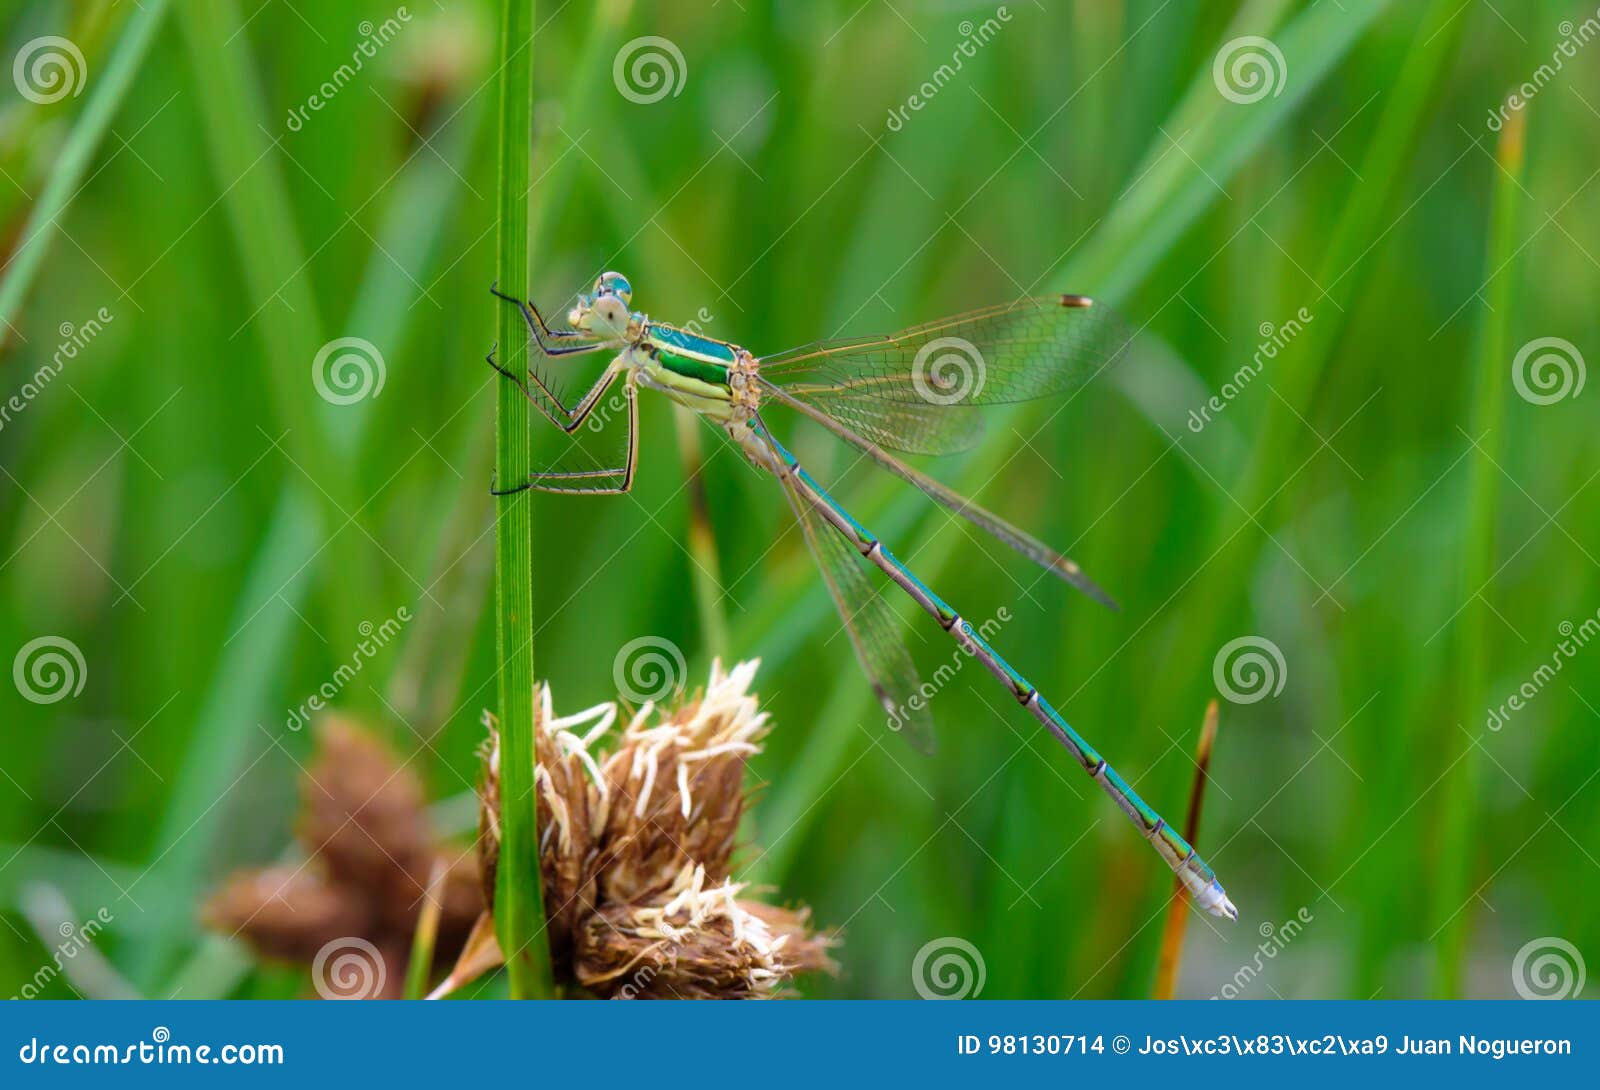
(571, 419)
(537, 327)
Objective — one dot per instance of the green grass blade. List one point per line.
(519, 902)
(426, 935)
(226, 731)
(263, 227)
(426, 680)
(1149, 219)
(1210, 607)
(238, 689)
(273, 265)
(86, 972)
(1352, 240)
(66, 177)
(1458, 842)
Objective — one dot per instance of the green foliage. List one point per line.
(213, 536)
(518, 901)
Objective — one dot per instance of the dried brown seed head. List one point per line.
(636, 849)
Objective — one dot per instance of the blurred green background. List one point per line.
(1381, 503)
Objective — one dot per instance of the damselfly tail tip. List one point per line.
(1207, 892)
(1082, 302)
(1221, 906)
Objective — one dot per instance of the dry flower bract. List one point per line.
(369, 855)
(636, 848)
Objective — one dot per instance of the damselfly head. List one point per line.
(605, 311)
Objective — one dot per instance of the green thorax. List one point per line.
(690, 354)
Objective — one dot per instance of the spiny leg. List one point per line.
(535, 479)
(575, 415)
(529, 315)
(573, 418)
(536, 326)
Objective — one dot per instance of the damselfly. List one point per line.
(911, 392)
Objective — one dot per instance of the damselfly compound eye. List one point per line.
(614, 283)
(610, 313)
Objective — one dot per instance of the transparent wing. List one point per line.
(1031, 348)
(981, 517)
(873, 628)
(908, 428)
